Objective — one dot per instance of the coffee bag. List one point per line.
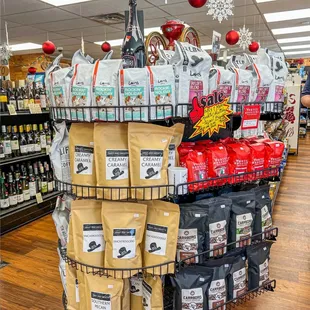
(148, 155)
(123, 225)
(164, 57)
(88, 237)
(176, 140)
(152, 291)
(112, 160)
(83, 171)
(82, 289)
(243, 85)
(126, 295)
(136, 292)
(73, 295)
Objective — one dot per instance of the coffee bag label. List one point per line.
(100, 301)
(226, 89)
(117, 164)
(217, 294)
(239, 282)
(262, 94)
(136, 286)
(65, 163)
(151, 162)
(243, 93)
(58, 93)
(77, 291)
(147, 296)
(266, 219)
(218, 238)
(243, 229)
(156, 239)
(192, 299)
(171, 159)
(187, 244)
(124, 243)
(105, 96)
(134, 96)
(163, 95)
(79, 99)
(264, 272)
(83, 159)
(195, 89)
(93, 240)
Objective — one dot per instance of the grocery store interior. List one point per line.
(154, 154)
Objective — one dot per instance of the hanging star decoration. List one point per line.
(5, 54)
(245, 37)
(220, 9)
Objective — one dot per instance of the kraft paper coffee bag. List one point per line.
(126, 295)
(136, 292)
(88, 232)
(103, 292)
(123, 225)
(148, 156)
(112, 160)
(82, 159)
(73, 295)
(152, 291)
(82, 289)
(161, 234)
(176, 140)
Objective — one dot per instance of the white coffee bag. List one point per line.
(164, 57)
(105, 89)
(162, 91)
(79, 58)
(134, 93)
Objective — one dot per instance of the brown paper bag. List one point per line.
(88, 232)
(136, 293)
(81, 280)
(82, 159)
(161, 235)
(152, 290)
(126, 295)
(174, 160)
(73, 295)
(103, 292)
(123, 225)
(112, 160)
(148, 157)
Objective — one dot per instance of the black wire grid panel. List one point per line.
(168, 192)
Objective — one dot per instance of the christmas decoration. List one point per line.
(245, 37)
(5, 53)
(301, 61)
(253, 47)
(32, 70)
(172, 30)
(232, 37)
(48, 47)
(197, 3)
(220, 9)
(106, 47)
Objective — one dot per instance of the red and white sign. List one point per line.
(250, 116)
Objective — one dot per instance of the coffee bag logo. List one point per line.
(244, 217)
(151, 173)
(192, 293)
(79, 83)
(117, 173)
(218, 283)
(154, 247)
(186, 233)
(81, 168)
(133, 83)
(133, 289)
(196, 60)
(162, 81)
(105, 83)
(192, 306)
(93, 246)
(218, 225)
(123, 252)
(145, 304)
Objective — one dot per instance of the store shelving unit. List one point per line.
(21, 158)
(303, 123)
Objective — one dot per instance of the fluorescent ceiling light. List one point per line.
(279, 31)
(262, 1)
(297, 52)
(297, 47)
(293, 40)
(287, 15)
(147, 31)
(209, 47)
(63, 2)
(222, 58)
(25, 47)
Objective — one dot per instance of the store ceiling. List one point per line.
(32, 20)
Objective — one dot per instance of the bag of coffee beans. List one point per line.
(176, 140)
(136, 292)
(88, 232)
(126, 295)
(82, 289)
(164, 57)
(123, 225)
(152, 292)
(73, 294)
(112, 160)
(258, 261)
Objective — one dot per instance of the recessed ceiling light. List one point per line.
(25, 47)
(298, 47)
(63, 2)
(209, 47)
(297, 52)
(279, 31)
(222, 58)
(293, 40)
(287, 15)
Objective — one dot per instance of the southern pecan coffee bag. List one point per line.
(73, 297)
(152, 292)
(136, 297)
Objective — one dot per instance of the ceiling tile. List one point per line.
(23, 31)
(22, 6)
(89, 31)
(283, 5)
(10, 24)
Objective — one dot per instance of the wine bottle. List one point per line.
(12, 191)
(6, 142)
(32, 183)
(15, 142)
(23, 145)
(133, 50)
(3, 98)
(4, 195)
(36, 136)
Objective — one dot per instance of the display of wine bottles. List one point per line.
(21, 182)
(26, 139)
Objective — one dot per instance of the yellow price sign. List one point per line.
(35, 108)
(4, 71)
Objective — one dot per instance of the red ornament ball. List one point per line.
(254, 47)
(197, 3)
(232, 37)
(48, 47)
(32, 70)
(106, 47)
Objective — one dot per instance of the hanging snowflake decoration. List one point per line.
(5, 54)
(220, 9)
(245, 37)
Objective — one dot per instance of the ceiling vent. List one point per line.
(109, 19)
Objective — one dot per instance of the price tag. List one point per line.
(39, 198)
(35, 108)
(11, 109)
(250, 116)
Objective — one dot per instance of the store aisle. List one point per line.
(31, 280)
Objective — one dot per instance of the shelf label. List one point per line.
(250, 116)
(35, 108)
(39, 198)
(11, 109)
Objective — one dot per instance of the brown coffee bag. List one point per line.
(126, 295)
(123, 224)
(152, 291)
(136, 293)
(81, 280)
(82, 159)
(161, 235)
(174, 160)
(112, 160)
(103, 292)
(73, 295)
(88, 237)
(148, 157)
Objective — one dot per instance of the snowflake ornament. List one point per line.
(220, 9)
(245, 37)
(5, 53)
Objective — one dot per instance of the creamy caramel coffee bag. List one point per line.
(103, 293)
(136, 293)
(126, 295)
(152, 291)
(82, 289)
(148, 157)
(123, 224)
(73, 296)
(174, 160)
(87, 232)
(112, 157)
(161, 235)
(82, 159)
